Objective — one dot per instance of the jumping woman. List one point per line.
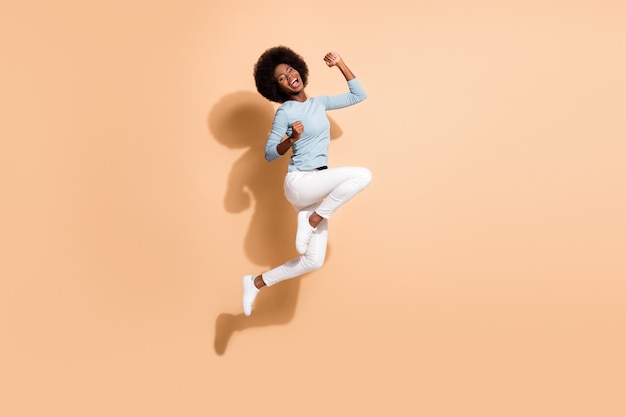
(313, 189)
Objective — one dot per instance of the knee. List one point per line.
(365, 176)
(312, 263)
(317, 264)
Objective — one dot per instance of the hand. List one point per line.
(332, 59)
(296, 130)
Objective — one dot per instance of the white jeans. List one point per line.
(323, 192)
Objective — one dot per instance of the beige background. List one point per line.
(481, 273)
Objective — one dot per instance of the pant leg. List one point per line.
(312, 259)
(328, 189)
(323, 191)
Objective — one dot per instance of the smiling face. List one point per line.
(288, 79)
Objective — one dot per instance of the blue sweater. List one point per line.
(311, 150)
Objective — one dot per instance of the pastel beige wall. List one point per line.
(481, 273)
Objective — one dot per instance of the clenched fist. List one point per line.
(332, 59)
(296, 130)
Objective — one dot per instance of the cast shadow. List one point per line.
(242, 120)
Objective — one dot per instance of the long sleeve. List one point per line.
(356, 95)
(280, 128)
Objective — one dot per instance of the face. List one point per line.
(288, 79)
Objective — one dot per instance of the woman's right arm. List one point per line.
(276, 146)
(279, 129)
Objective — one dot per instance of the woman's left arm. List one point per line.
(356, 94)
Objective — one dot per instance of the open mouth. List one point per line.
(295, 82)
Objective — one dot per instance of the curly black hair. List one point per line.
(264, 68)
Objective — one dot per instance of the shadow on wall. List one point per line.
(242, 120)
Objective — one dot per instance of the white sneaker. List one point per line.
(304, 233)
(250, 292)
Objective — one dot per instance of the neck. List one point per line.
(301, 97)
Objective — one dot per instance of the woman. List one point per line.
(313, 189)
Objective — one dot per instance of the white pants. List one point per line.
(323, 192)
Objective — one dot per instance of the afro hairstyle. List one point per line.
(264, 68)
